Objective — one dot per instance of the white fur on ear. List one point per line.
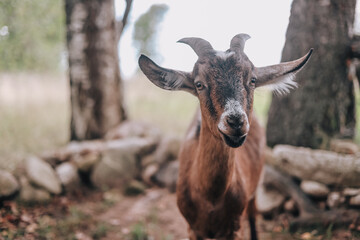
(282, 85)
(281, 77)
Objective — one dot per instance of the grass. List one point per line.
(173, 111)
(71, 225)
(138, 232)
(34, 115)
(170, 111)
(35, 112)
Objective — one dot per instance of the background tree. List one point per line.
(324, 105)
(95, 82)
(31, 35)
(146, 28)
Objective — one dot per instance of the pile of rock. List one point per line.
(136, 155)
(330, 179)
(131, 157)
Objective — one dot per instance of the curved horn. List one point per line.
(199, 45)
(238, 42)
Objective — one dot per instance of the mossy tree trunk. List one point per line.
(324, 105)
(95, 83)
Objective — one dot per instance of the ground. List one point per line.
(35, 113)
(92, 214)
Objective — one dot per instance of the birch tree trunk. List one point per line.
(95, 83)
(324, 105)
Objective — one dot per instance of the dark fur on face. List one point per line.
(224, 77)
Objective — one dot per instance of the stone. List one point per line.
(29, 193)
(119, 161)
(149, 173)
(167, 175)
(349, 192)
(268, 200)
(167, 150)
(42, 174)
(68, 175)
(149, 160)
(269, 156)
(334, 200)
(290, 206)
(314, 189)
(130, 129)
(74, 148)
(135, 188)
(344, 146)
(8, 184)
(355, 201)
(85, 162)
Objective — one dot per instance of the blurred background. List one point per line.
(34, 90)
(54, 54)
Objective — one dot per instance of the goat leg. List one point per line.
(251, 211)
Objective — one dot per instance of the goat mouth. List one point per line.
(233, 141)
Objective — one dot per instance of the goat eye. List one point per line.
(199, 85)
(253, 80)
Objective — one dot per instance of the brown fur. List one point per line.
(216, 182)
(219, 172)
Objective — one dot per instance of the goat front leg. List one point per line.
(251, 212)
(193, 236)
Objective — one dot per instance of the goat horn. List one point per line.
(238, 42)
(199, 45)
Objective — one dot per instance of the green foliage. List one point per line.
(145, 30)
(100, 231)
(138, 232)
(31, 34)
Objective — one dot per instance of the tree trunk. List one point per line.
(95, 83)
(324, 105)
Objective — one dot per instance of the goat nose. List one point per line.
(234, 122)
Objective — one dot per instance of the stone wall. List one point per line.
(131, 157)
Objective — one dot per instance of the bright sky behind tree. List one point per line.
(216, 21)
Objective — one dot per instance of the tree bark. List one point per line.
(324, 105)
(95, 84)
(355, 46)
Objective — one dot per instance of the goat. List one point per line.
(219, 171)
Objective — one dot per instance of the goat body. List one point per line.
(217, 182)
(219, 170)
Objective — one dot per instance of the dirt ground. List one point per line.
(159, 211)
(111, 215)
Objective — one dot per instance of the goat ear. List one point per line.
(280, 78)
(164, 78)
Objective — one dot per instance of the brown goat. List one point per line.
(218, 178)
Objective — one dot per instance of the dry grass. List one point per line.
(34, 115)
(173, 111)
(35, 112)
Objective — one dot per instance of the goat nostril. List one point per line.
(234, 122)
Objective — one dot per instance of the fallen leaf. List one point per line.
(306, 236)
(82, 236)
(277, 229)
(26, 218)
(31, 228)
(352, 226)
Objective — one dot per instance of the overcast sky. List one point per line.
(216, 21)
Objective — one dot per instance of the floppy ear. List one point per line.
(164, 78)
(280, 78)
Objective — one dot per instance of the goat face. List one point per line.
(224, 82)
